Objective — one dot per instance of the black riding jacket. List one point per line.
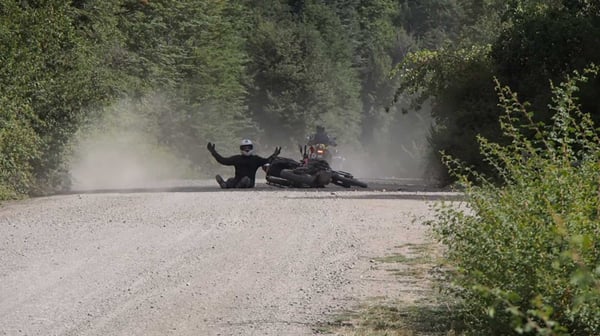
(244, 165)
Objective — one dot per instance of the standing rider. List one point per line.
(321, 137)
(245, 165)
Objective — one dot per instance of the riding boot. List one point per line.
(221, 182)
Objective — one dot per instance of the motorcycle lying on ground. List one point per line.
(310, 172)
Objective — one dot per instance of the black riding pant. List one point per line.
(244, 182)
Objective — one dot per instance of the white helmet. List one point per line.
(247, 147)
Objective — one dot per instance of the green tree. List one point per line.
(532, 41)
(192, 55)
(301, 72)
(377, 50)
(45, 70)
(549, 44)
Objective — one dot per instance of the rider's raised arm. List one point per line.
(226, 161)
(270, 158)
(275, 153)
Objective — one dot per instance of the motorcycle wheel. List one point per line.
(280, 182)
(302, 179)
(347, 182)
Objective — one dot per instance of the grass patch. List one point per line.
(392, 320)
(421, 248)
(409, 272)
(417, 254)
(393, 258)
(379, 317)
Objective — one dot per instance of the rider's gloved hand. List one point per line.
(211, 147)
(277, 151)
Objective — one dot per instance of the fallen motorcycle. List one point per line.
(308, 173)
(290, 173)
(319, 163)
(346, 180)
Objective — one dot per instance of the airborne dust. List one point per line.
(120, 149)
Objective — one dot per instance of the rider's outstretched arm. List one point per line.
(227, 161)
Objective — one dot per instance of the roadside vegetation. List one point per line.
(401, 79)
(417, 309)
(524, 255)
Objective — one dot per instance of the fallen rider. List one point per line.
(246, 164)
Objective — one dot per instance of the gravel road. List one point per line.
(209, 262)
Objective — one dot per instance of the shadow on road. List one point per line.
(142, 190)
(376, 190)
(420, 196)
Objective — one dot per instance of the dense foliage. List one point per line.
(524, 257)
(523, 44)
(198, 70)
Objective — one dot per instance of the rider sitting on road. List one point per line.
(321, 137)
(245, 165)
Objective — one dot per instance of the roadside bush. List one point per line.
(19, 144)
(525, 255)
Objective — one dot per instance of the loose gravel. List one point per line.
(258, 262)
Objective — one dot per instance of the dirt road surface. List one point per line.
(209, 262)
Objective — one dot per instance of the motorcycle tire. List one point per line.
(301, 179)
(347, 182)
(344, 174)
(278, 181)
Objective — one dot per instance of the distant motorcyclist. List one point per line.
(246, 164)
(321, 137)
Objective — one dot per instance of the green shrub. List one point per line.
(19, 144)
(525, 255)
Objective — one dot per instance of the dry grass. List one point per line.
(412, 265)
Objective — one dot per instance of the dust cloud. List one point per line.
(120, 150)
(398, 148)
